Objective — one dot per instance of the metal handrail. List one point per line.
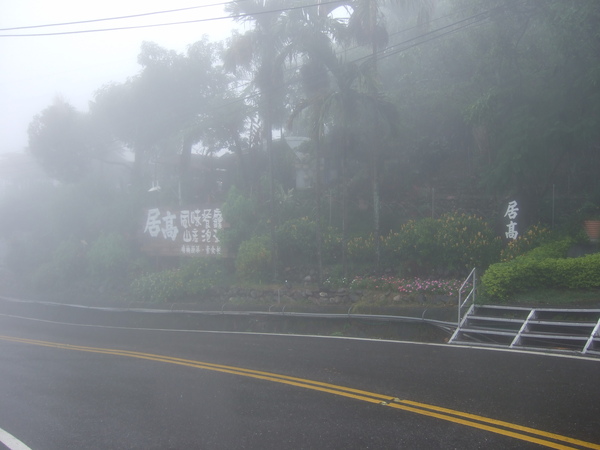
(471, 294)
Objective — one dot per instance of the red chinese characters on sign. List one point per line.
(192, 232)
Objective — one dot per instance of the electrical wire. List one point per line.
(384, 53)
(401, 46)
(133, 27)
(79, 22)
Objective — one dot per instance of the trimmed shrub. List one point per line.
(543, 267)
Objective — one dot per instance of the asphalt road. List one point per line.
(85, 387)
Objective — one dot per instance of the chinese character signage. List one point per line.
(512, 213)
(191, 232)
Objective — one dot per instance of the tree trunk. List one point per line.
(318, 191)
(184, 171)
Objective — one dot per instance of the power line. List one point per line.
(132, 27)
(479, 17)
(429, 36)
(79, 22)
(434, 34)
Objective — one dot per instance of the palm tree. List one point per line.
(262, 51)
(367, 27)
(334, 97)
(312, 37)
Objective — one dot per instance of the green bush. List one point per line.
(415, 246)
(108, 259)
(332, 245)
(196, 278)
(201, 276)
(466, 241)
(361, 249)
(253, 261)
(543, 267)
(532, 238)
(296, 242)
(243, 216)
(556, 249)
(67, 266)
(452, 244)
(165, 286)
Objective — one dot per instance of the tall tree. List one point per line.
(263, 51)
(367, 26)
(313, 38)
(165, 109)
(60, 139)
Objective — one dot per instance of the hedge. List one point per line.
(543, 267)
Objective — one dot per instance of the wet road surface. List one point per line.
(75, 387)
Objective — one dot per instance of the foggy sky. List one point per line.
(34, 70)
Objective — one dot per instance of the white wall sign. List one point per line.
(192, 232)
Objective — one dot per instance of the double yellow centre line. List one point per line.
(550, 440)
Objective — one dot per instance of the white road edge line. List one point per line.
(11, 442)
(316, 336)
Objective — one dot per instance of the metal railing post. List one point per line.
(471, 294)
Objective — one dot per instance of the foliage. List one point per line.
(158, 287)
(451, 244)
(409, 286)
(241, 213)
(202, 275)
(67, 266)
(296, 242)
(332, 244)
(171, 100)
(195, 279)
(544, 267)
(416, 246)
(533, 237)
(59, 140)
(361, 249)
(253, 261)
(510, 105)
(108, 259)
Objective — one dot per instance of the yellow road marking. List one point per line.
(471, 420)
